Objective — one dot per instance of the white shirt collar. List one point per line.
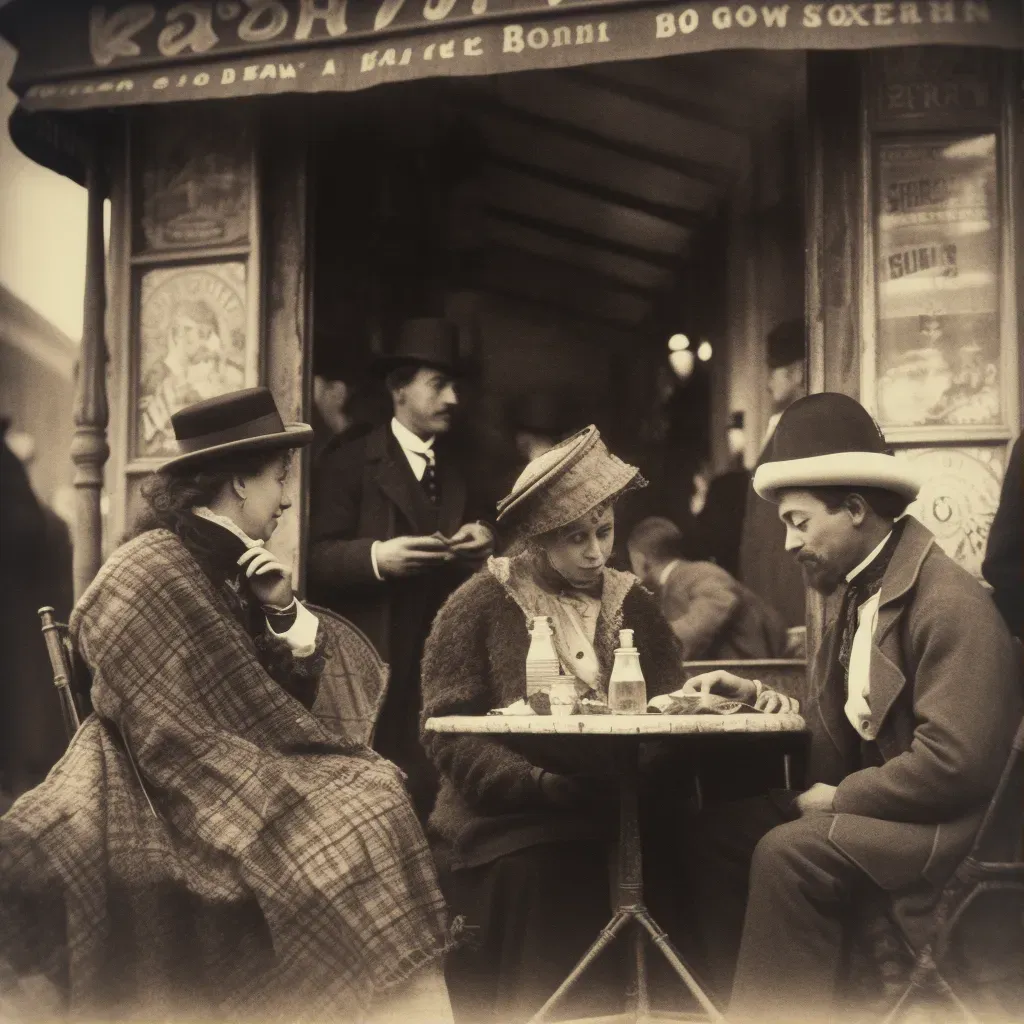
(867, 561)
(409, 441)
(230, 525)
(667, 571)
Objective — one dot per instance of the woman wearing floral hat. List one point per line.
(523, 838)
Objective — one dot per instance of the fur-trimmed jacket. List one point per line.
(490, 802)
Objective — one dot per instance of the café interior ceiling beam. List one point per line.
(573, 313)
(544, 281)
(599, 77)
(666, 261)
(697, 170)
(685, 218)
(501, 252)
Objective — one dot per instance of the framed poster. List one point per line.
(937, 358)
(959, 497)
(194, 343)
(195, 184)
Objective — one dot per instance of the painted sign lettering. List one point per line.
(214, 49)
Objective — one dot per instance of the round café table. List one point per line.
(626, 732)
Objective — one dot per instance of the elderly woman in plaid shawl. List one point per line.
(258, 867)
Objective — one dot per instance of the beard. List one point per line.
(820, 576)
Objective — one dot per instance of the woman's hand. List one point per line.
(723, 684)
(560, 790)
(269, 580)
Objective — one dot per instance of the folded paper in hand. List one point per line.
(680, 703)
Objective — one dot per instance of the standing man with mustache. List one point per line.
(392, 532)
(915, 699)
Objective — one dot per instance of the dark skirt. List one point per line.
(534, 913)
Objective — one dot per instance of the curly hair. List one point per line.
(171, 493)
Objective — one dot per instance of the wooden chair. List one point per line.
(355, 679)
(67, 675)
(990, 877)
(72, 680)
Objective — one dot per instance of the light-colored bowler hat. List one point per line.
(830, 440)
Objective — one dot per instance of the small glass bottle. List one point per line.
(542, 667)
(627, 691)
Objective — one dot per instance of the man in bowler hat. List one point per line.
(775, 581)
(394, 530)
(915, 696)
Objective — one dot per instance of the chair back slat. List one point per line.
(55, 635)
(1000, 838)
(354, 681)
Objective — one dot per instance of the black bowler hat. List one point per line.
(240, 421)
(786, 344)
(831, 440)
(427, 341)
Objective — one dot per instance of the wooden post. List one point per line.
(89, 448)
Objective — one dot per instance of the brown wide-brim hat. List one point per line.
(427, 341)
(565, 483)
(235, 423)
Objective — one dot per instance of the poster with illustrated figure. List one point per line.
(938, 342)
(193, 345)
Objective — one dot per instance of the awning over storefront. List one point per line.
(73, 57)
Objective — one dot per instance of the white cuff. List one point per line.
(301, 638)
(373, 560)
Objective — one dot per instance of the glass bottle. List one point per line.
(542, 668)
(627, 691)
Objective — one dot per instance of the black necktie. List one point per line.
(862, 587)
(429, 479)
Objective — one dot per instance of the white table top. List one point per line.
(614, 725)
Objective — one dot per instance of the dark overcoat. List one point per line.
(1004, 555)
(946, 698)
(364, 491)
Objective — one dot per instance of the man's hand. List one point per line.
(473, 541)
(409, 556)
(269, 580)
(771, 702)
(724, 684)
(818, 799)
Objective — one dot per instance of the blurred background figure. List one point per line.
(718, 506)
(1003, 567)
(535, 421)
(775, 580)
(540, 419)
(714, 616)
(35, 570)
(337, 381)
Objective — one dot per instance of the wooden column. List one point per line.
(89, 448)
(835, 227)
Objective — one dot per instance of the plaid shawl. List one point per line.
(286, 874)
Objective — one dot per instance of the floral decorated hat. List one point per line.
(565, 483)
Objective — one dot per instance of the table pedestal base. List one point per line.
(630, 909)
(644, 926)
